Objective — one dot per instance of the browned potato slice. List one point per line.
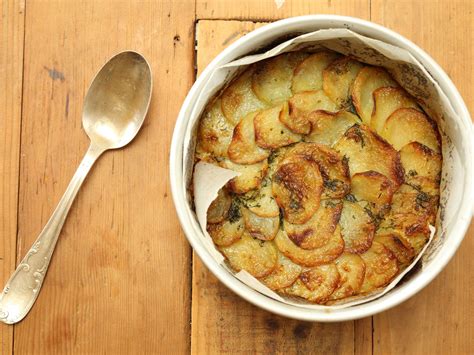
(408, 125)
(238, 99)
(357, 228)
(271, 81)
(351, 268)
(380, 267)
(309, 73)
(367, 81)
(264, 228)
(261, 202)
(316, 284)
(297, 187)
(250, 175)
(411, 228)
(403, 252)
(285, 273)
(270, 132)
(410, 200)
(301, 104)
(226, 232)
(333, 168)
(421, 183)
(319, 229)
(338, 78)
(419, 160)
(368, 151)
(387, 101)
(242, 148)
(257, 257)
(215, 131)
(327, 128)
(219, 208)
(327, 253)
(374, 188)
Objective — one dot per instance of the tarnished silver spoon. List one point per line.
(114, 110)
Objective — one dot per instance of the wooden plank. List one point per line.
(265, 10)
(119, 282)
(439, 319)
(11, 81)
(224, 323)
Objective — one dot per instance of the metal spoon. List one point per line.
(114, 110)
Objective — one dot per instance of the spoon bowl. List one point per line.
(117, 100)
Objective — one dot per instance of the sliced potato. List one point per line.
(271, 81)
(261, 202)
(264, 228)
(226, 232)
(338, 78)
(380, 267)
(316, 284)
(285, 273)
(351, 268)
(297, 186)
(408, 125)
(373, 187)
(367, 81)
(411, 228)
(410, 200)
(319, 229)
(270, 132)
(327, 128)
(215, 131)
(219, 208)
(257, 257)
(368, 151)
(301, 104)
(357, 228)
(419, 160)
(403, 252)
(238, 99)
(386, 101)
(242, 148)
(333, 168)
(309, 73)
(327, 253)
(250, 175)
(421, 183)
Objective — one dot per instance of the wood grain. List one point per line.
(265, 10)
(439, 320)
(119, 282)
(223, 322)
(11, 80)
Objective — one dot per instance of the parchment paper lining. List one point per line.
(409, 73)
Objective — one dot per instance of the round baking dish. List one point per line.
(462, 137)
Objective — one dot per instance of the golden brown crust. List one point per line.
(270, 132)
(367, 81)
(338, 78)
(316, 284)
(408, 125)
(319, 229)
(257, 257)
(367, 151)
(324, 207)
(243, 148)
(297, 186)
(380, 267)
(327, 253)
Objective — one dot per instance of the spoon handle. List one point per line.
(24, 285)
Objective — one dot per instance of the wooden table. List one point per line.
(123, 278)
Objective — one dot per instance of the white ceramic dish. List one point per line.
(461, 132)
